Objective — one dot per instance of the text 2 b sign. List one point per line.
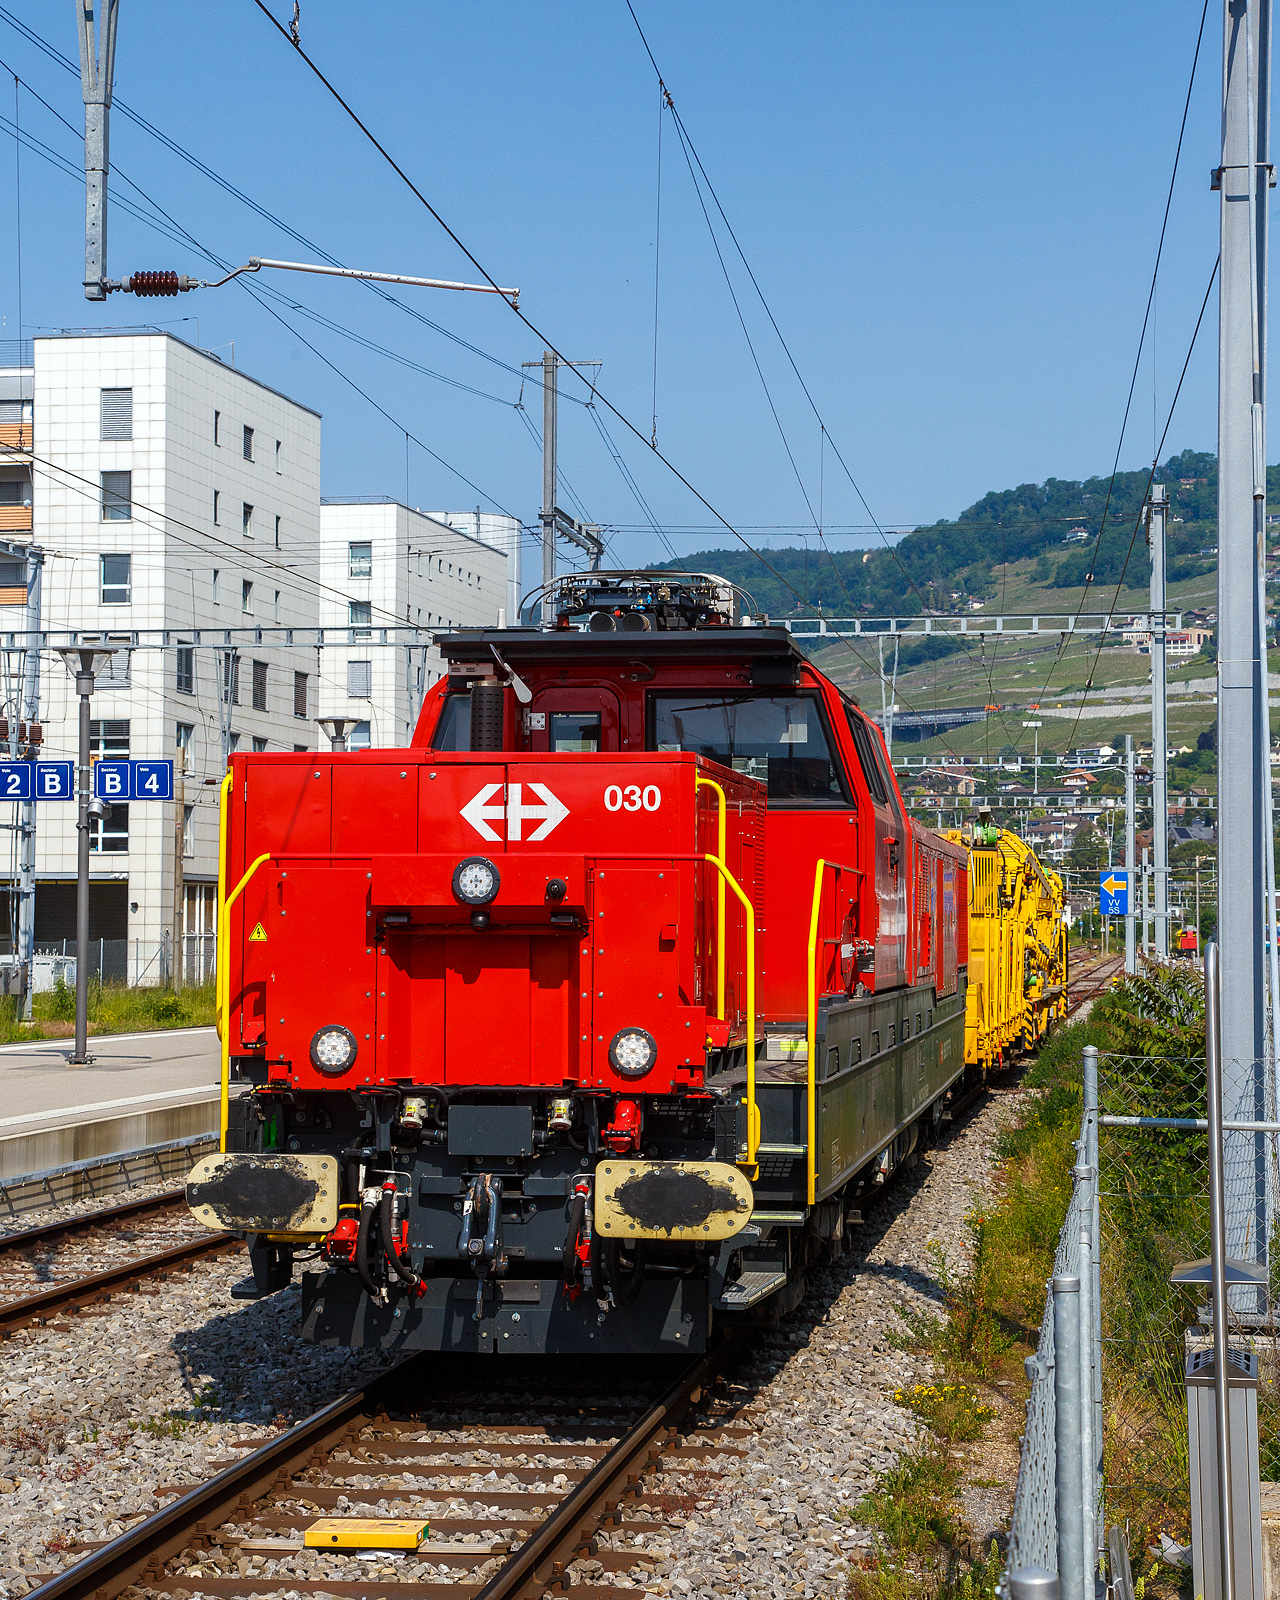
(37, 780)
(117, 781)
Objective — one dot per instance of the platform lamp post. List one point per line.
(337, 729)
(84, 665)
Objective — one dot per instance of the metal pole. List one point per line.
(1093, 1159)
(1131, 915)
(1159, 720)
(550, 364)
(1067, 1409)
(1243, 766)
(84, 688)
(1218, 1258)
(97, 68)
(1146, 901)
(27, 812)
(1088, 1479)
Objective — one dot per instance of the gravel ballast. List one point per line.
(152, 1389)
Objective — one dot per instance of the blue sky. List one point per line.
(952, 211)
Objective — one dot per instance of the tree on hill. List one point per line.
(925, 568)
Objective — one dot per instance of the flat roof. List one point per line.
(150, 332)
(390, 500)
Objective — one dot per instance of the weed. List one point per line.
(952, 1411)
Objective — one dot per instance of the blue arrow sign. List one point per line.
(1113, 893)
(152, 780)
(111, 781)
(15, 780)
(55, 780)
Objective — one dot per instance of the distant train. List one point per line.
(1017, 946)
(587, 1021)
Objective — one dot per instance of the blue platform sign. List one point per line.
(1113, 893)
(55, 780)
(111, 781)
(15, 780)
(152, 780)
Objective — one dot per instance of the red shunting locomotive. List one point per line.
(588, 1019)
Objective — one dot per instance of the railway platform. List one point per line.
(141, 1091)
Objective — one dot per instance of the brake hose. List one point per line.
(368, 1205)
(577, 1216)
(405, 1273)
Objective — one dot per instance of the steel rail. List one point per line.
(125, 1560)
(162, 1535)
(47, 1232)
(525, 1574)
(33, 1307)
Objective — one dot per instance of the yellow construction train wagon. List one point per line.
(1017, 946)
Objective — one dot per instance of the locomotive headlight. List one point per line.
(476, 881)
(632, 1052)
(333, 1049)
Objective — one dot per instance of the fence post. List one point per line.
(1033, 1583)
(1070, 1462)
(1092, 1158)
(1088, 1469)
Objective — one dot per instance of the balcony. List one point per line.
(15, 436)
(15, 519)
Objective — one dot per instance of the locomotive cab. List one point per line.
(589, 1018)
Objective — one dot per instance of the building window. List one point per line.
(216, 595)
(277, 533)
(117, 414)
(359, 615)
(275, 606)
(110, 834)
(259, 745)
(15, 492)
(299, 694)
(360, 560)
(188, 831)
(231, 677)
(215, 507)
(116, 580)
(260, 686)
(217, 427)
(359, 680)
(246, 597)
(359, 737)
(109, 740)
(246, 519)
(185, 734)
(248, 444)
(277, 455)
(300, 749)
(186, 670)
(233, 743)
(117, 496)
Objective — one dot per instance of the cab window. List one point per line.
(575, 730)
(453, 731)
(780, 738)
(864, 742)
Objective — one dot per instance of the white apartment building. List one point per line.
(167, 491)
(383, 563)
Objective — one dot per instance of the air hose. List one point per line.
(577, 1217)
(368, 1205)
(395, 1261)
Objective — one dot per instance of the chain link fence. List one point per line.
(1154, 1213)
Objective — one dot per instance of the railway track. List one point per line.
(1092, 982)
(62, 1268)
(520, 1469)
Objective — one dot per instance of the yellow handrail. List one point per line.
(224, 791)
(224, 988)
(753, 1116)
(811, 1031)
(710, 783)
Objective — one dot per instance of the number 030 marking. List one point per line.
(633, 797)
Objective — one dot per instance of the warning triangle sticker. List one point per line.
(259, 934)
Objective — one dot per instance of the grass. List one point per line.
(113, 1008)
(922, 1548)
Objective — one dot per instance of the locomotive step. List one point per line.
(750, 1289)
